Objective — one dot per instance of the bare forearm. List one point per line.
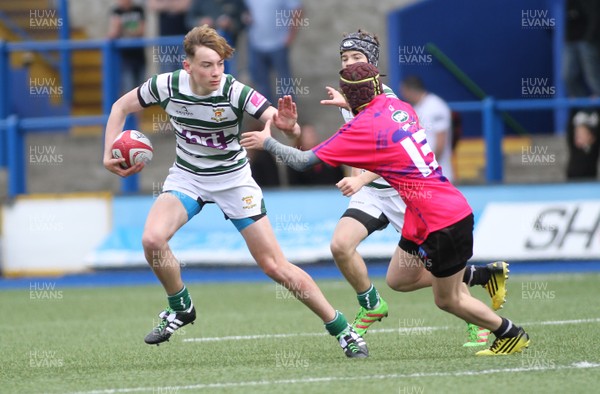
(127, 104)
(292, 157)
(367, 177)
(114, 125)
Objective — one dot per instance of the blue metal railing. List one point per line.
(493, 126)
(12, 153)
(14, 130)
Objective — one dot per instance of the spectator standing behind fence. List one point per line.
(171, 22)
(435, 117)
(581, 56)
(127, 21)
(584, 145)
(272, 30)
(228, 17)
(581, 74)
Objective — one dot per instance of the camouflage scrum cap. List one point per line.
(360, 84)
(364, 42)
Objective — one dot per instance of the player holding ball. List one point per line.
(206, 107)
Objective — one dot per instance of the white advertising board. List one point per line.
(538, 230)
(52, 234)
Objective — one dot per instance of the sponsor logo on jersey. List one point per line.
(400, 116)
(257, 99)
(184, 111)
(212, 140)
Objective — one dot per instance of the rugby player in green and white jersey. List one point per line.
(205, 107)
(373, 205)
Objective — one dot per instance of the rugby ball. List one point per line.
(134, 146)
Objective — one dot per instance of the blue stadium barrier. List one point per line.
(13, 130)
(493, 126)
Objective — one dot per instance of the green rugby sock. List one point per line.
(180, 301)
(337, 325)
(369, 299)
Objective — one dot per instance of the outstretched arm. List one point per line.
(299, 160)
(284, 117)
(292, 157)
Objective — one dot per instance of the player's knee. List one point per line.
(152, 240)
(341, 249)
(272, 268)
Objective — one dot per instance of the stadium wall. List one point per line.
(504, 47)
(516, 223)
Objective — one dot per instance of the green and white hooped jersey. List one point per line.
(207, 127)
(378, 183)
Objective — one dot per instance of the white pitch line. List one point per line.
(301, 334)
(375, 331)
(559, 322)
(576, 365)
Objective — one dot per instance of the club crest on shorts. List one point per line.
(249, 202)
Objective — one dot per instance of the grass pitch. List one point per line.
(253, 337)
